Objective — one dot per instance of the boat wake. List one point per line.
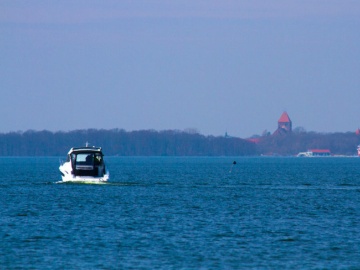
(99, 183)
(82, 182)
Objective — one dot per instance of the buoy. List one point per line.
(234, 163)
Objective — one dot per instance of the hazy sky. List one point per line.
(215, 66)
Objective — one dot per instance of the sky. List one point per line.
(214, 66)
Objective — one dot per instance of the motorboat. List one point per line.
(84, 164)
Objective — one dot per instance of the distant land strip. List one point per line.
(118, 142)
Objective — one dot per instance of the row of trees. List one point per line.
(171, 143)
(123, 143)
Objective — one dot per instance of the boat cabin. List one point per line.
(87, 161)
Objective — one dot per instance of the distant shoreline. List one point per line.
(118, 142)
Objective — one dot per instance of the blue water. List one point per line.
(183, 213)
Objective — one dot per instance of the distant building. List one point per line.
(357, 132)
(284, 124)
(315, 153)
(254, 140)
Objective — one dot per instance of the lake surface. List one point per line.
(183, 213)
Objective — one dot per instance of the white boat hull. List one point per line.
(85, 179)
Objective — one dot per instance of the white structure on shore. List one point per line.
(315, 153)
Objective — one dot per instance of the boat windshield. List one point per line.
(88, 158)
(85, 158)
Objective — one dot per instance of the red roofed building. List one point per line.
(284, 124)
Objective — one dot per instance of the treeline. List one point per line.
(123, 143)
(118, 142)
(295, 142)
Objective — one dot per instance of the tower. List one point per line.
(284, 124)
